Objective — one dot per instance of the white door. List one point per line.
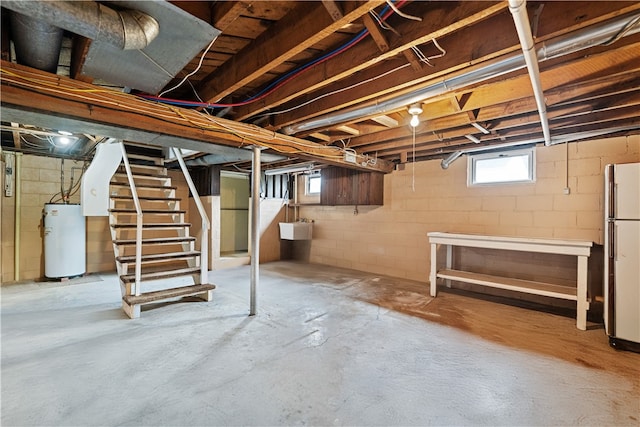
(627, 276)
(627, 191)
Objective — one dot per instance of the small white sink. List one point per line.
(296, 230)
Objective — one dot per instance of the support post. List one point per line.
(255, 228)
(17, 179)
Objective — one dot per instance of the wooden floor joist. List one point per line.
(55, 101)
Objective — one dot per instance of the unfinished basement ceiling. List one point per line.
(344, 74)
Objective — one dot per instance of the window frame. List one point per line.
(473, 159)
(307, 184)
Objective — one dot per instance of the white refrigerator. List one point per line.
(622, 255)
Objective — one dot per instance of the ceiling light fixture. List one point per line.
(415, 110)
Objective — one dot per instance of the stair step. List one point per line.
(142, 175)
(158, 257)
(156, 241)
(154, 225)
(152, 186)
(167, 293)
(155, 275)
(148, 199)
(159, 161)
(147, 211)
(144, 166)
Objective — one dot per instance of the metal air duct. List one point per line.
(602, 33)
(126, 29)
(37, 43)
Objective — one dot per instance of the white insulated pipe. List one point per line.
(518, 9)
(255, 228)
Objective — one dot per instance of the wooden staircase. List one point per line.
(167, 250)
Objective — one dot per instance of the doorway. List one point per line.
(234, 214)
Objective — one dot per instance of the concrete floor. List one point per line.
(328, 347)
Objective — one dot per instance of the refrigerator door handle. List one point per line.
(612, 246)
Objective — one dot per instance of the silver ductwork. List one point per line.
(603, 33)
(125, 29)
(136, 44)
(37, 43)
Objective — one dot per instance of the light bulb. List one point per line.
(64, 140)
(415, 121)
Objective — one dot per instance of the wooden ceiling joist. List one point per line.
(28, 90)
(435, 24)
(297, 31)
(462, 56)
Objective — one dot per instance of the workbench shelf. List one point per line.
(580, 249)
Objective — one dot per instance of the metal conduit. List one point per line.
(558, 140)
(37, 43)
(594, 35)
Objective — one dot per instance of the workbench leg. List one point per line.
(583, 303)
(434, 271)
(449, 263)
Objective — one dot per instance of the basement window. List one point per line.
(515, 166)
(313, 184)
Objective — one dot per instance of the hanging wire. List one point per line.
(386, 73)
(427, 59)
(275, 85)
(193, 72)
(404, 15)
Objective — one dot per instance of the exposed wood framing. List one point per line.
(435, 23)
(298, 30)
(27, 90)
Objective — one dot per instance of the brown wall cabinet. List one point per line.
(342, 186)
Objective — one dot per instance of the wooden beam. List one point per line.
(224, 13)
(334, 10)
(17, 142)
(300, 29)
(413, 59)
(26, 91)
(510, 101)
(436, 22)
(468, 51)
(386, 121)
(376, 33)
(578, 113)
(348, 129)
(321, 136)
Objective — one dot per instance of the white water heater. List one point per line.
(64, 241)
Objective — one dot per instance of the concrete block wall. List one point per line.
(392, 239)
(40, 183)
